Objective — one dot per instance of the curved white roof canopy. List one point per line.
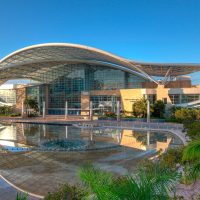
(51, 60)
(174, 69)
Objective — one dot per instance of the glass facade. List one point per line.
(183, 98)
(36, 92)
(8, 96)
(102, 103)
(151, 97)
(74, 79)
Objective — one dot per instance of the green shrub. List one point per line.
(193, 130)
(21, 196)
(15, 114)
(158, 109)
(168, 159)
(110, 114)
(185, 115)
(33, 114)
(68, 192)
(172, 157)
(6, 110)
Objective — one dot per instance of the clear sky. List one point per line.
(142, 30)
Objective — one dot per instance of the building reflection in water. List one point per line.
(20, 135)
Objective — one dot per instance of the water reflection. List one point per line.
(23, 136)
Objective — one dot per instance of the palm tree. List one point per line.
(31, 103)
(139, 108)
(152, 185)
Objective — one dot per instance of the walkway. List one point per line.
(189, 191)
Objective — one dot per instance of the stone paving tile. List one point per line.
(43, 172)
(189, 192)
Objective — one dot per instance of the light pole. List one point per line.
(148, 111)
(22, 108)
(91, 110)
(43, 109)
(118, 110)
(66, 109)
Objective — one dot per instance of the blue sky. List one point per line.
(143, 30)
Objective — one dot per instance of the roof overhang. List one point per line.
(37, 61)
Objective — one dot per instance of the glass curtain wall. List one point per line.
(77, 78)
(8, 96)
(184, 98)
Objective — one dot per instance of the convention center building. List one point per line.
(78, 75)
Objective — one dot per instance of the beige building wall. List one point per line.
(162, 93)
(129, 96)
(198, 86)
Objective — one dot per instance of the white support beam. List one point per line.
(66, 110)
(167, 75)
(148, 111)
(43, 109)
(91, 110)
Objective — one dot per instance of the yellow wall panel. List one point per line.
(129, 96)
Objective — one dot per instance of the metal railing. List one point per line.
(137, 125)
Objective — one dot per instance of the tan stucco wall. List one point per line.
(129, 96)
(162, 93)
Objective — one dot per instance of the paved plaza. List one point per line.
(41, 172)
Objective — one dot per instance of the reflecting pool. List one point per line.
(26, 137)
(37, 157)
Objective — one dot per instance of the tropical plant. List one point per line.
(171, 158)
(185, 115)
(192, 151)
(198, 114)
(5, 110)
(151, 185)
(31, 103)
(191, 155)
(193, 130)
(21, 196)
(140, 108)
(159, 109)
(189, 176)
(68, 192)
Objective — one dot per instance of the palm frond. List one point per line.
(99, 181)
(192, 151)
(195, 171)
(155, 184)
